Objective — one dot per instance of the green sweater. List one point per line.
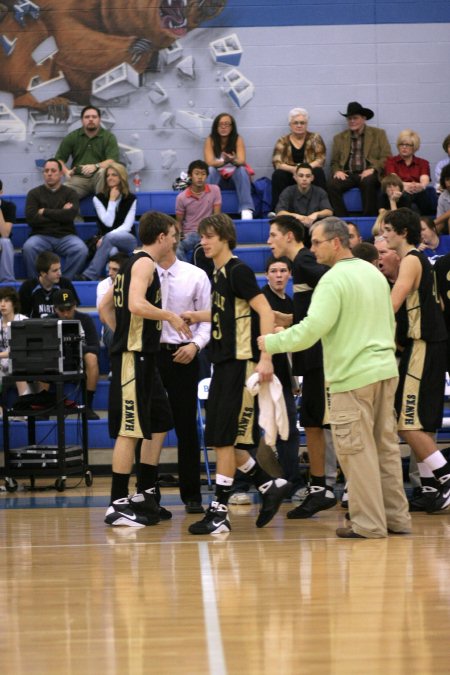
(88, 150)
(351, 312)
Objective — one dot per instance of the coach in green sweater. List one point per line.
(351, 312)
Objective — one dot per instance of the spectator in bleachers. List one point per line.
(392, 195)
(114, 264)
(443, 207)
(388, 260)
(440, 165)
(50, 212)
(196, 202)
(304, 201)
(432, 245)
(92, 149)
(9, 311)
(413, 171)
(224, 153)
(36, 294)
(366, 251)
(115, 206)
(7, 218)
(66, 309)
(377, 227)
(354, 235)
(297, 147)
(357, 160)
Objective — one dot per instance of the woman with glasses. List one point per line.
(414, 171)
(224, 153)
(297, 147)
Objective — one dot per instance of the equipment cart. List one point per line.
(46, 350)
(42, 460)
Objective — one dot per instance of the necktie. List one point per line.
(165, 283)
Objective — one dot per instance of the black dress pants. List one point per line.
(369, 193)
(180, 382)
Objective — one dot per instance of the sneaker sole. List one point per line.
(303, 515)
(120, 520)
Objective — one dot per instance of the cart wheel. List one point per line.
(88, 478)
(10, 484)
(60, 484)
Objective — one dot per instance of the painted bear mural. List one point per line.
(90, 37)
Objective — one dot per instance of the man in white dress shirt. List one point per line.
(183, 287)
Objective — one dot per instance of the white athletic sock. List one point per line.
(248, 466)
(224, 480)
(424, 470)
(435, 461)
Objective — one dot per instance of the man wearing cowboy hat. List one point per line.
(357, 160)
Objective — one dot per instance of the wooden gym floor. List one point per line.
(79, 597)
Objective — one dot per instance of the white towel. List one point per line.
(272, 407)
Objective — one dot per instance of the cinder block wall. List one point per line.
(333, 53)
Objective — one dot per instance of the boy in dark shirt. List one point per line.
(36, 295)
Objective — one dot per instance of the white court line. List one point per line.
(216, 656)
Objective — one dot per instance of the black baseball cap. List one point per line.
(64, 298)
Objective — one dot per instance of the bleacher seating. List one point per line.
(161, 200)
(352, 200)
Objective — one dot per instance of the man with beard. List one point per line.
(92, 149)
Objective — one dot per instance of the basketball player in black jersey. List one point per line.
(421, 335)
(286, 238)
(239, 311)
(138, 405)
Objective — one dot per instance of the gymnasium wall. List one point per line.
(162, 69)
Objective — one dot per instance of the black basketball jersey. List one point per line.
(442, 271)
(135, 333)
(281, 366)
(306, 274)
(420, 317)
(234, 326)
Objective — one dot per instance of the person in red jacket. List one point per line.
(413, 171)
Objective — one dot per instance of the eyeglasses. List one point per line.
(317, 242)
(225, 124)
(406, 145)
(296, 123)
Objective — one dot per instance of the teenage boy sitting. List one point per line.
(198, 201)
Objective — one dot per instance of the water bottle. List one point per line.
(136, 182)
